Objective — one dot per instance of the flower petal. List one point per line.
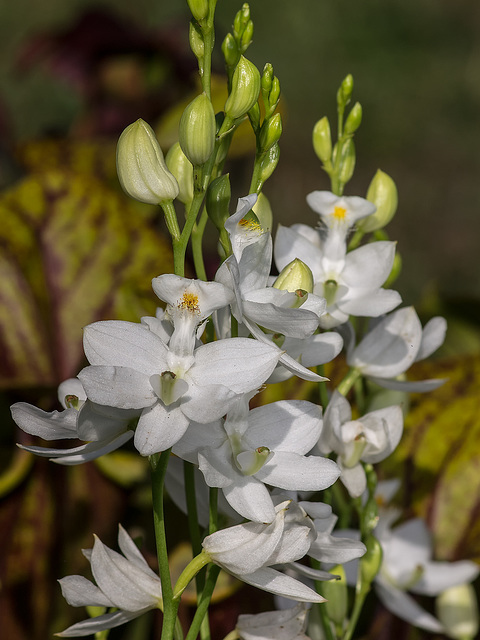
(278, 583)
(292, 471)
(120, 387)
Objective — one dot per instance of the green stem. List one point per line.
(360, 595)
(325, 620)
(197, 237)
(158, 464)
(348, 381)
(204, 602)
(171, 219)
(190, 571)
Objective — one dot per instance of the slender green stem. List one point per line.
(158, 464)
(197, 237)
(204, 603)
(190, 571)
(360, 596)
(325, 620)
(171, 219)
(348, 381)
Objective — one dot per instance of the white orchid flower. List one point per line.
(124, 582)
(351, 284)
(370, 439)
(393, 345)
(247, 273)
(249, 550)
(338, 214)
(267, 445)
(102, 428)
(288, 624)
(133, 368)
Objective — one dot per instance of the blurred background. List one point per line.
(74, 249)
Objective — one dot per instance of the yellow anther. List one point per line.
(339, 213)
(189, 302)
(251, 225)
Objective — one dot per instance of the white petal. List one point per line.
(55, 425)
(409, 386)
(210, 295)
(207, 403)
(90, 451)
(297, 323)
(159, 428)
(372, 303)
(438, 576)
(124, 344)
(433, 337)
(281, 625)
(132, 552)
(97, 422)
(405, 607)
(289, 244)
(321, 348)
(250, 498)
(278, 583)
(80, 592)
(369, 266)
(292, 471)
(99, 623)
(120, 387)
(354, 479)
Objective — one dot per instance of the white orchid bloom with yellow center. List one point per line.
(172, 384)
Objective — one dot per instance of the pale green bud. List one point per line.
(245, 89)
(354, 119)
(141, 167)
(197, 130)
(270, 132)
(218, 201)
(336, 593)
(457, 610)
(371, 562)
(197, 44)
(241, 20)
(247, 37)
(345, 91)
(263, 211)
(230, 50)
(267, 79)
(322, 140)
(269, 162)
(296, 275)
(182, 169)
(199, 8)
(347, 161)
(383, 193)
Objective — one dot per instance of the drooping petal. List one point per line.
(250, 498)
(120, 387)
(286, 624)
(405, 607)
(371, 304)
(297, 323)
(99, 422)
(99, 623)
(132, 552)
(433, 336)
(438, 576)
(353, 478)
(87, 452)
(159, 428)
(409, 386)
(207, 403)
(278, 583)
(54, 425)
(369, 266)
(80, 592)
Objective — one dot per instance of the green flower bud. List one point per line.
(218, 201)
(182, 169)
(268, 163)
(199, 8)
(345, 91)
(245, 89)
(230, 50)
(197, 130)
(371, 562)
(296, 275)
(336, 593)
(383, 193)
(274, 92)
(241, 20)
(197, 44)
(457, 610)
(263, 211)
(347, 161)
(270, 132)
(267, 79)
(141, 168)
(247, 37)
(370, 514)
(322, 140)
(354, 119)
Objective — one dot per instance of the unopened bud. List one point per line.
(245, 89)
(199, 8)
(269, 162)
(141, 167)
(270, 132)
(263, 211)
(197, 130)
(322, 140)
(336, 593)
(182, 169)
(267, 78)
(383, 193)
(347, 161)
(371, 562)
(218, 201)
(345, 91)
(296, 275)
(247, 36)
(457, 610)
(241, 20)
(197, 44)
(354, 119)
(230, 50)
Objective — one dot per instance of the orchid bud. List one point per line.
(199, 8)
(230, 50)
(182, 169)
(296, 275)
(383, 193)
(218, 201)
(347, 161)
(263, 211)
(269, 162)
(354, 119)
(141, 167)
(457, 610)
(270, 132)
(197, 130)
(336, 593)
(371, 562)
(322, 140)
(245, 89)
(345, 91)
(197, 43)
